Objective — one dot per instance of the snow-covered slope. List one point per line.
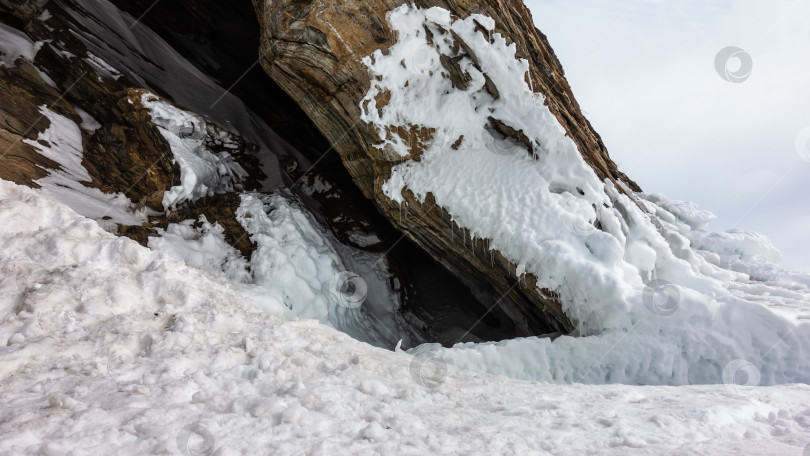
(111, 348)
(651, 307)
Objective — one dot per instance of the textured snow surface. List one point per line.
(203, 246)
(654, 309)
(112, 348)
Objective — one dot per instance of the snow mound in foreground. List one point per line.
(651, 306)
(112, 348)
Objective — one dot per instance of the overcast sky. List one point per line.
(737, 144)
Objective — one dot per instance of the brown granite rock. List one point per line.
(126, 153)
(313, 50)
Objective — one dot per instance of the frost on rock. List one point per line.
(202, 172)
(291, 256)
(742, 244)
(62, 143)
(458, 83)
(296, 261)
(293, 261)
(14, 44)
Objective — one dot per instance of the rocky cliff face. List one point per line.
(315, 51)
(76, 70)
(120, 150)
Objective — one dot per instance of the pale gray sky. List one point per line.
(644, 73)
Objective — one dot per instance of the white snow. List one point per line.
(107, 347)
(295, 260)
(89, 123)
(202, 172)
(203, 247)
(744, 244)
(116, 349)
(62, 143)
(655, 310)
(133, 49)
(102, 67)
(15, 44)
(291, 256)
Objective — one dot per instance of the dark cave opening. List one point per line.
(222, 40)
